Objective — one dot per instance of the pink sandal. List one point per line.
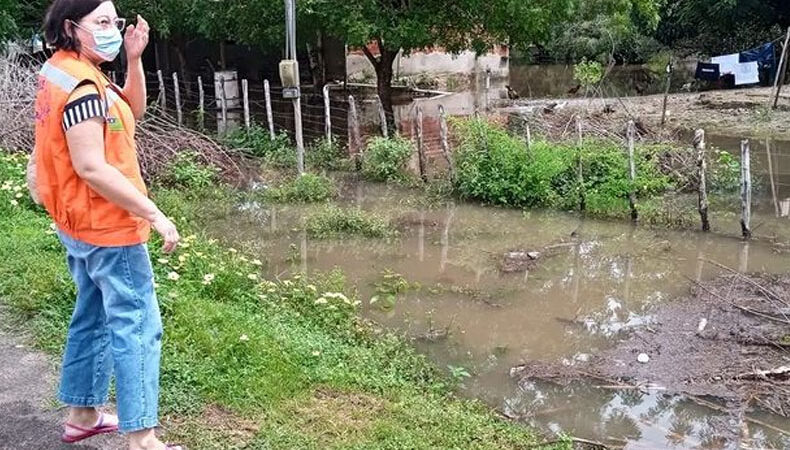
(85, 433)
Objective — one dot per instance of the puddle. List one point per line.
(605, 278)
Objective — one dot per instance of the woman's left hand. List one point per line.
(136, 38)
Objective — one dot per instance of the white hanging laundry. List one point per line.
(747, 73)
(727, 63)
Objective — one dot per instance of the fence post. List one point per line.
(177, 93)
(162, 96)
(445, 141)
(529, 136)
(488, 87)
(780, 73)
(631, 132)
(580, 146)
(246, 99)
(746, 190)
(223, 103)
(269, 115)
(666, 93)
(201, 103)
(353, 132)
(771, 176)
(702, 166)
(327, 115)
(382, 117)
(420, 145)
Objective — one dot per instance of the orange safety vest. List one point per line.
(77, 209)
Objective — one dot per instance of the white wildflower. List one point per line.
(253, 276)
(173, 276)
(208, 278)
(244, 338)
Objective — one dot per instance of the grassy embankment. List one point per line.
(250, 362)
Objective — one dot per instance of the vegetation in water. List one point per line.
(388, 288)
(334, 222)
(386, 159)
(305, 188)
(496, 167)
(251, 361)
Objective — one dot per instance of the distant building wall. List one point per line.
(432, 61)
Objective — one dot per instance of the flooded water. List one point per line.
(600, 279)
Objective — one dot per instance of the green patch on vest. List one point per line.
(114, 124)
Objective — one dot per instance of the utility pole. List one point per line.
(293, 92)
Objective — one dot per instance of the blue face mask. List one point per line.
(107, 43)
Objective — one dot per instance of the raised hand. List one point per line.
(135, 39)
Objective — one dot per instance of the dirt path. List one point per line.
(732, 112)
(29, 417)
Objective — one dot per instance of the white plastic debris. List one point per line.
(643, 358)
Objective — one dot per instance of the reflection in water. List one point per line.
(645, 420)
(600, 279)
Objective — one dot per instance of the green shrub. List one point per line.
(305, 188)
(278, 152)
(322, 154)
(496, 167)
(725, 173)
(186, 170)
(386, 159)
(335, 222)
(588, 73)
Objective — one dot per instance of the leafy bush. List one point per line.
(588, 73)
(187, 171)
(322, 154)
(725, 173)
(496, 167)
(385, 159)
(278, 152)
(305, 188)
(336, 222)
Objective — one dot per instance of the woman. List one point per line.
(88, 178)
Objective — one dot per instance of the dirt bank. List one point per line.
(734, 112)
(728, 339)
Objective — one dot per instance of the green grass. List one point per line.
(305, 188)
(249, 362)
(334, 222)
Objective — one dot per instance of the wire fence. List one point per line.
(329, 113)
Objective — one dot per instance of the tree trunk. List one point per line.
(384, 74)
(180, 45)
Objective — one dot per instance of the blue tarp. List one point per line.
(765, 57)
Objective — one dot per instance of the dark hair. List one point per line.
(61, 10)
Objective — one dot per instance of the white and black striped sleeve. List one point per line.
(81, 109)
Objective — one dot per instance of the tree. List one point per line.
(395, 25)
(606, 30)
(722, 26)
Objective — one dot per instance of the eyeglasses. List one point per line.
(105, 23)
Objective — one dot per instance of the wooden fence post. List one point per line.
(327, 115)
(780, 74)
(488, 87)
(529, 137)
(421, 145)
(245, 94)
(774, 196)
(702, 166)
(382, 117)
(580, 146)
(223, 103)
(177, 93)
(746, 190)
(666, 93)
(354, 141)
(269, 114)
(162, 96)
(445, 141)
(631, 132)
(201, 104)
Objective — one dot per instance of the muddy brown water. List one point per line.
(603, 279)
